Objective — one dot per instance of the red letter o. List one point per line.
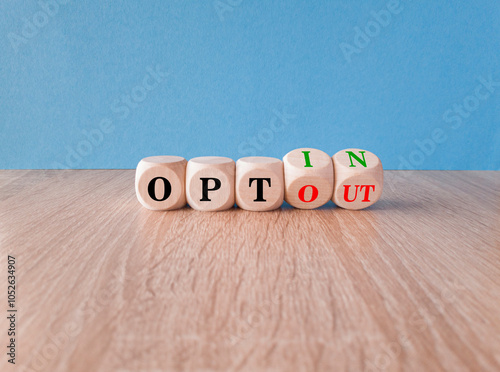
(314, 195)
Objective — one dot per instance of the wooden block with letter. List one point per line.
(160, 182)
(210, 183)
(308, 178)
(359, 178)
(259, 183)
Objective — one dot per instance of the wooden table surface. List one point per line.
(410, 284)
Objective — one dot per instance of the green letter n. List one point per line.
(352, 155)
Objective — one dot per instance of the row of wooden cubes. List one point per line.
(306, 178)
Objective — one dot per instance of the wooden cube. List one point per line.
(359, 178)
(210, 183)
(160, 182)
(259, 183)
(308, 178)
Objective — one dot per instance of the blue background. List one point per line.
(234, 67)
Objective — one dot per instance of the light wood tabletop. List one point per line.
(103, 284)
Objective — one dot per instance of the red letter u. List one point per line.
(346, 193)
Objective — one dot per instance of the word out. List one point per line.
(306, 179)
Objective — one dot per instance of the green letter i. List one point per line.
(306, 157)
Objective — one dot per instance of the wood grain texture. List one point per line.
(409, 284)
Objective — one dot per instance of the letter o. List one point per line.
(139, 94)
(151, 188)
(81, 150)
(266, 135)
(44, 19)
(467, 103)
(46, 351)
(382, 361)
(254, 318)
(420, 155)
(103, 297)
(302, 192)
(369, 28)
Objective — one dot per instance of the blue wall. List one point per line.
(100, 84)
